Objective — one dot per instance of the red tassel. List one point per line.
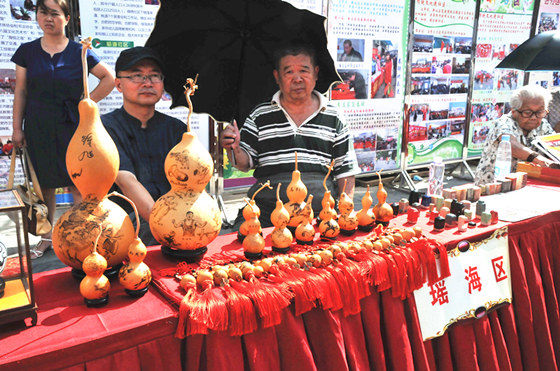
(443, 260)
(302, 301)
(211, 310)
(187, 326)
(242, 316)
(400, 288)
(331, 298)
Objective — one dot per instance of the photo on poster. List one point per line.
(420, 85)
(366, 160)
(461, 65)
(350, 50)
(483, 51)
(385, 160)
(151, 2)
(387, 138)
(385, 55)
(548, 22)
(418, 112)
(483, 80)
(458, 84)
(423, 43)
(438, 130)
(23, 10)
(439, 110)
(353, 85)
(506, 79)
(457, 110)
(439, 85)
(480, 132)
(463, 45)
(443, 44)
(441, 64)
(364, 142)
(556, 78)
(499, 51)
(421, 64)
(417, 132)
(457, 129)
(7, 81)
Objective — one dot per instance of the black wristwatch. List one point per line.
(532, 156)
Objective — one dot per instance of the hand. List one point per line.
(230, 136)
(18, 138)
(542, 161)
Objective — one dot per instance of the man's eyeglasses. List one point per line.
(528, 113)
(138, 78)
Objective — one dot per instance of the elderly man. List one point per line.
(523, 124)
(298, 118)
(350, 54)
(143, 135)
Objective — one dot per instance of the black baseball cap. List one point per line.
(129, 57)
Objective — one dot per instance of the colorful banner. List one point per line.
(502, 26)
(439, 82)
(480, 279)
(368, 41)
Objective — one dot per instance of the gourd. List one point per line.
(348, 220)
(383, 211)
(328, 228)
(243, 231)
(305, 233)
(281, 237)
(94, 287)
(186, 219)
(366, 217)
(253, 243)
(296, 194)
(92, 161)
(327, 198)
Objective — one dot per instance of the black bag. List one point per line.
(37, 211)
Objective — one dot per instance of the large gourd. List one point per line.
(186, 219)
(281, 238)
(348, 221)
(247, 210)
(296, 192)
(383, 211)
(366, 217)
(92, 161)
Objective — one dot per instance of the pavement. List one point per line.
(233, 200)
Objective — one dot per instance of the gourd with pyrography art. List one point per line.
(328, 227)
(305, 232)
(327, 198)
(253, 243)
(296, 192)
(366, 217)
(92, 161)
(186, 219)
(281, 237)
(348, 221)
(247, 210)
(94, 287)
(383, 211)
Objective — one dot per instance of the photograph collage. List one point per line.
(378, 150)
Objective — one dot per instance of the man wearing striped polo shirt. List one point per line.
(297, 119)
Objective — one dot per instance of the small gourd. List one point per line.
(348, 221)
(305, 232)
(296, 194)
(383, 211)
(94, 287)
(243, 231)
(135, 275)
(281, 237)
(328, 228)
(327, 198)
(366, 217)
(253, 243)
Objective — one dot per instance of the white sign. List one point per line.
(480, 279)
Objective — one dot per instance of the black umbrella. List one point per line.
(229, 44)
(539, 53)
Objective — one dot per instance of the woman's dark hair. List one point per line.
(63, 4)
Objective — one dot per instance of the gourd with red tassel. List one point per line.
(296, 194)
(253, 243)
(135, 275)
(281, 237)
(328, 228)
(305, 232)
(186, 219)
(327, 198)
(383, 211)
(92, 160)
(348, 221)
(366, 217)
(94, 287)
(243, 231)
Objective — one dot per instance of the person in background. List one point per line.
(523, 124)
(8, 148)
(388, 77)
(297, 118)
(49, 86)
(358, 83)
(350, 54)
(143, 136)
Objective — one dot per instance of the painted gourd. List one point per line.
(348, 221)
(328, 228)
(383, 211)
(92, 161)
(253, 243)
(281, 237)
(305, 232)
(187, 218)
(94, 287)
(296, 191)
(366, 217)
(327, 198)
(243, 228)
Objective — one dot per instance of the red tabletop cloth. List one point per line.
(127, 333)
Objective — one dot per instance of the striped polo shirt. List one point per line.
(271, 138)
